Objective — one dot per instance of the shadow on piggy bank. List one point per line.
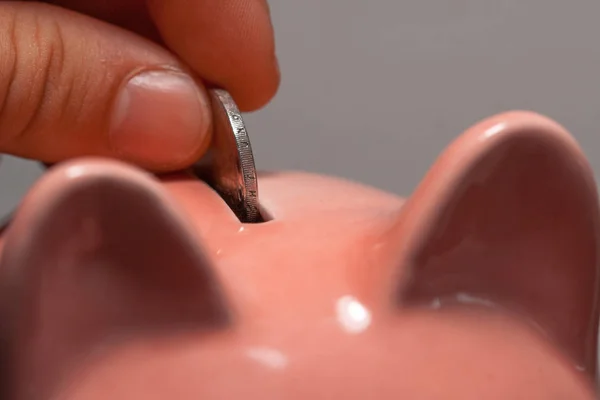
(482, 285)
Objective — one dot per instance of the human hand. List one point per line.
(127, 78)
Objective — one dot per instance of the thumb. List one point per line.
(73, 86)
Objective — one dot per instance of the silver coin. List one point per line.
(229, 167)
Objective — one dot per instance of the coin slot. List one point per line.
(264, 215)
(261, 215)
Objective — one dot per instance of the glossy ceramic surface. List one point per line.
(483, 284)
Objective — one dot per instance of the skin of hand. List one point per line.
(128, 79)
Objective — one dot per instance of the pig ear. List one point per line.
(98, 253)
(509, 215)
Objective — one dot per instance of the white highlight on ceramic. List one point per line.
(466, 298)
(436, 303)
(494, 130)
(461, 298)
(268, 357)
(352, 315)
(75, 171)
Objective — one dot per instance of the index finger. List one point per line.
(229, 43)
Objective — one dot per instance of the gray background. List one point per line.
(373, 90)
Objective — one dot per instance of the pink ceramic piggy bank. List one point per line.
(482, 285)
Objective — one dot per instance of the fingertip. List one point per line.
(251, 96)
(161, 120)
(230, 43)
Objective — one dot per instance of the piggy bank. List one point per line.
(483, 284)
